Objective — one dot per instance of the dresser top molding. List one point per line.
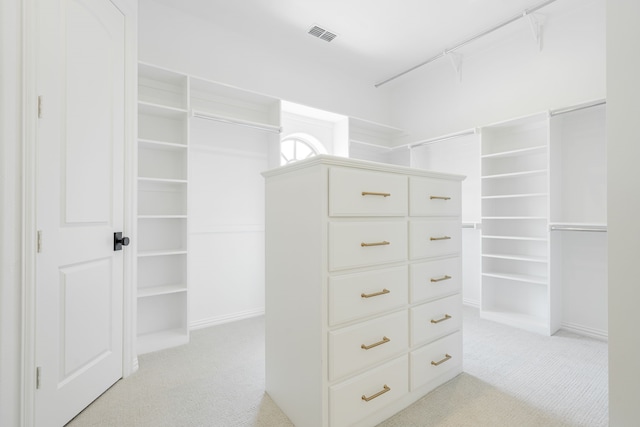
(325, 159)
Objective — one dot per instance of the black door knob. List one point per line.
(119, 241)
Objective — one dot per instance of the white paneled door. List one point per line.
(79, 198)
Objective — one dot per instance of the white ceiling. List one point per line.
(376, 38)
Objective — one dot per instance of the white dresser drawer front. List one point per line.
(354, 192)
(434, 197)
(359, 397)
(365, 344)
(435, 319)
(432, 279)
(435, 360)
(359, 244)
(434, 237)
(353, 296)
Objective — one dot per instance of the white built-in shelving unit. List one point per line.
(195, 137)
(515, 237)
(578, 216)
(162, 155)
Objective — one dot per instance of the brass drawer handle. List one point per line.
(440, 279)
(439, 198)
(440, 238)
(383, 243)
(382, 292)
(369, 193)
(446, 317)
(446, 357)
(380, 393)
(367, 347)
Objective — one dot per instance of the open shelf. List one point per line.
(540, 149)
(515, 196)
(516, 174)
(161, 290)
(529, 258)
(517, 277)
(534, 239)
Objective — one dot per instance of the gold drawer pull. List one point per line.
(369, 193)
(446, 357)
(440, 238)
(383, 243)
(439, 197)
(367, 347)
(440, 279)
(380, 393)
(382, 292)
(446, 317)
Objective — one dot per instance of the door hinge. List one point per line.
(37, 377)
(39, 106)
(39, 242)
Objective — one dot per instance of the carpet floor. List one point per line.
(511, 378)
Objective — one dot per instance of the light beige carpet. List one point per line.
(512, 378)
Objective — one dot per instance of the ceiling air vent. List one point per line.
(321, 33)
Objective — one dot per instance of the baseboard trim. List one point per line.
(585, 330)
(471, 303)
(219, 320)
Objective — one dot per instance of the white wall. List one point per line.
(10, 212)
(505, 76)
(170, 38)
(623, 152)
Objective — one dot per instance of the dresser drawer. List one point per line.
(431, 238)
(435, 360)
(354, 192)
(358, 244)
(353, 296)
(432, 279)
(434, 197)
(367, 343)
(361, 396)
(435, 319)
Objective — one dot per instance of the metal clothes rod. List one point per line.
(439, 139)
(602, 229)
(274, 129)
(577, 107)
(469, 40)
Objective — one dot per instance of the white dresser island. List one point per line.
(363, 279)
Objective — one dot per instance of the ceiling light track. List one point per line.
(525, 13)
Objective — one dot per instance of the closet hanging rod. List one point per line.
(524, 13)
(222, 119)
(595, 228)
(438, 139)
(577, 107)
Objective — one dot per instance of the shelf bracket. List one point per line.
(536, 23)
(456, 61)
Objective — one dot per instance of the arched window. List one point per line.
(299, 147)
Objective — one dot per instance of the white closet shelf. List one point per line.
(516, 174)
(514, 217)
(162, 339)
(162, 216)
(515, 196)
(142, 254)
(520, 152)
(518, 277)
(161, 290)
(529, 258)
(161, 110)
(160, 145)
(165, 180)
(534, 239)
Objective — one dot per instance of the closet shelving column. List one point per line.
(515, 237)
(162, 303)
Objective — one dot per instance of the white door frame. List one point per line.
(129, 8)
